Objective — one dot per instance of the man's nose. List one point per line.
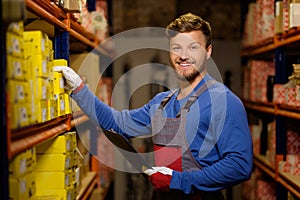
(183, 54)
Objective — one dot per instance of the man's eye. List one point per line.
(175, 48)
(194, 47)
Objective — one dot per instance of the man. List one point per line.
(200, 131)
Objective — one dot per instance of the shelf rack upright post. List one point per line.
(3, 136)
(282, 48)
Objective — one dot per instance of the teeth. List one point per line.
(182, 64)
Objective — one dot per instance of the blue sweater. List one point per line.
(216, 130)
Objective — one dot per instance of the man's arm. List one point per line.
(130, 123)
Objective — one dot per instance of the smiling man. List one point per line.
(200, 133)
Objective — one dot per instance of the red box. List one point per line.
(291, 97)
(279, 94)
(293, 142)
(265, 190)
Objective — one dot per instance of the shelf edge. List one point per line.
(286, 182)
(90, 181)
(25, 143)
(264, 167)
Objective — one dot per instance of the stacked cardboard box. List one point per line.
(18, 75)
(289, 93)
(259, 187)
(294, 13)
(83, 150)
(281, 16)
(36, 93)
(95, 21)
(291, 164)
(260, 22)
(22, 182)
(49, 98)
(59, 96)
(56, 168)
(255, 87)
(266, 190)
(266, 18)
(38, 53)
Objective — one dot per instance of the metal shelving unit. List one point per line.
(278, 45)
(289, 38)
(16, 141)
(3, 136)
(274, 109)
(59, 18)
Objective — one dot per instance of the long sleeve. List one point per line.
(129, 123)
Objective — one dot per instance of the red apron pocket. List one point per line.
(168, 156)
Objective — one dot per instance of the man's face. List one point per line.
(188, 54)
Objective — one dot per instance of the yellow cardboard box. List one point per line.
(55, 179)
(49, 53)
(39, 66)
(60, 62)
(48, 197)
(27, 50)
(22, 187)
(50, 90)
(23, 163)
(50, 69)
(39, 89)
(53, 113)
(42, 111)
(16, 68)
(57, 106)
(58, 84)
(20, 115)
(36, 40)
(17, 91)
(58, 87)
(60, 144)
(66, 194)
(55, 161)
(14, 45)
(64, 104)
(16, 28)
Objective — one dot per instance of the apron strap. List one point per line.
(167, 99)
(192, 99)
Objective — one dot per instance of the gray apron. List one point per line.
(171, 148)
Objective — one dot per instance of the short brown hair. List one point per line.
(187, 23)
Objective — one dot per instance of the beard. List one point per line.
(188, 77)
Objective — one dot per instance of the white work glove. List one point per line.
(163, 170)
(72, 79)
(160, 177)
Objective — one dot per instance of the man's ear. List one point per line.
(209, 51)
